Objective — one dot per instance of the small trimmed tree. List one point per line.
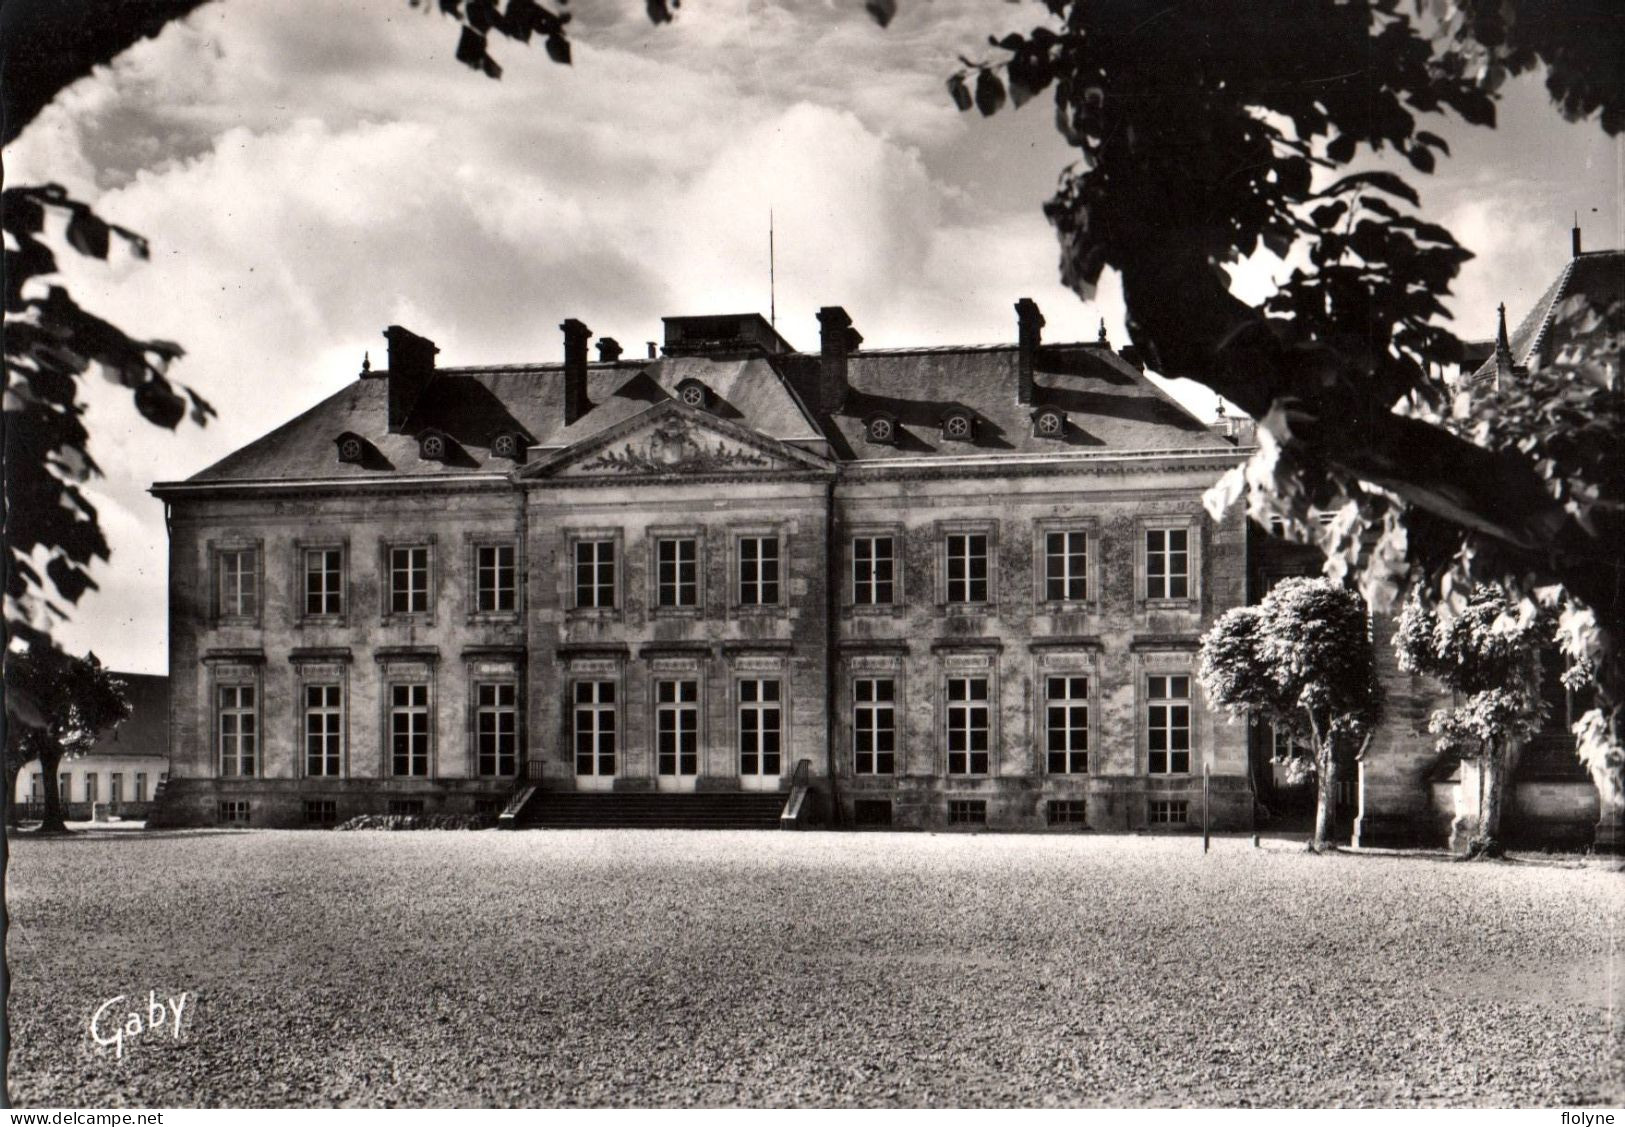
(1488, 655)
(78, 699)
(1302, 661)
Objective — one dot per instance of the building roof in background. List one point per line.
(145, 733)
(1594, 280)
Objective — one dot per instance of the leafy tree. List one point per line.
(1489, 656)
(1300, 660)
(80, 700)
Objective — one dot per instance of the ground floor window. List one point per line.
(232, 812)
(760, 727)
(496, 728)
(1068, 812)
(1168, 724)
(238, 728)
(1066, 724)
(874, 726)
(967, 725)
(1170, 811)
(324, 730)
(677, 727)
(595, 727)
(409, 729)
(90, 786)
(967, 811)
(321, 812)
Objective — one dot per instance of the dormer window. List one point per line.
(881, 429)
(958, 426)
(507, 445)
(1049, 423)
(433, 446)
(352, 448)
(694, 393)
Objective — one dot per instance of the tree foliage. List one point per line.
(79, 700)
(1301, 661)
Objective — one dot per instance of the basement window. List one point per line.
(405, 807)
(1068, 812)
(321, 812)
(1170, 812)
(232, 812)
(967, 812)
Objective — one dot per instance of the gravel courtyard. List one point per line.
(583, 967)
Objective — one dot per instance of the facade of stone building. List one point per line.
(932, 587)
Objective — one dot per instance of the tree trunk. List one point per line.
(1325, 800)
(13, 773)
(55, 819)
(1499, 760)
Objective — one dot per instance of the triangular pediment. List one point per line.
(672, 439)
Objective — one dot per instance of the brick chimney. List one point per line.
(1029, 328)
(609, 350)
(1574, 238)
(836, 338)
(411, 369)
(576, 336)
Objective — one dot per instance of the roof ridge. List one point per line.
(1538, 337)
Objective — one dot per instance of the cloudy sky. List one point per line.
(309, 172)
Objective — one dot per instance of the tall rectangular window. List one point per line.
(1066, 724)
(115, 787)
(494, 585)
(324, 581)
(595, 573)
(409, 730)
(237, 723)
(967, 725)
(496, 728)
(324, 730)
(677, 572)
(1168, 724)
(677, 728)
(239, 582)
(409, 580)
(874, 725)
(64, 787)
(141, 786)
(595, 727)
(758, 571)
(872, 571)
(760, 727)
(967, 567)
(90, 787)
(1167, 563)
(1066, 567)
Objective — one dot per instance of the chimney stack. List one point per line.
(1029, 328)
(609, 350)
(411, 368)
(576, 336)
(1574, 237)
(836, 338)
(652, 353)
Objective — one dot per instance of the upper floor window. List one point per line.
(967, 567)
(409, 580)
(874, 725)
(237, 720)
(677, 572)
(967, 726)
(239, 591)
(595, 573)
(1168, 724)
(1066, 567)
(873, 568)
(1066, 724)
(1167, 563)
(495, 588)
(324, 582)
(758, 570)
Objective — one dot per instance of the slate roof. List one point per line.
(1111, 406)
(145, 732)
(1597, 278)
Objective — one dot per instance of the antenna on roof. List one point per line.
(772, 288)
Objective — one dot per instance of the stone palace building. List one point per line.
(922, 587)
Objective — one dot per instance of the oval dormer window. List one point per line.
(350, 449)
(1049, 424)
(882, 429)
(505, 446)
(957, 425)
(692, 393)
(433, 448)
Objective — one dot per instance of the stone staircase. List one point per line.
(731, 810)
